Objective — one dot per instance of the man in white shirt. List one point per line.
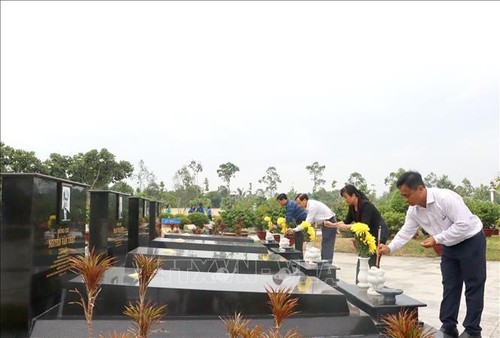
(317, 213)
(443, 214)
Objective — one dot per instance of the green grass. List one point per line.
(414, 249)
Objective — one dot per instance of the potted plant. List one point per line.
(259, 230)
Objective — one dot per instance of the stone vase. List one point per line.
(376, 279)
(363, 272)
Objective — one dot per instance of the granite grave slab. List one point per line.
(210, 245)
(190, 293)
(234, 239)
(214, 261)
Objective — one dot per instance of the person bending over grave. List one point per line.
(443, 214)
(361, 210)
(317, 213)
(296, 214)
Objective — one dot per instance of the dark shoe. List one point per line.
(466, 334)
(449, 332)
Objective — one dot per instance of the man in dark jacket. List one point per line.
(293, 213)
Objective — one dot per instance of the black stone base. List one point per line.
(346, 326)
(374, 306)
(325, 272)
(289, 254)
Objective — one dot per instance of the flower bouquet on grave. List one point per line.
(364, 241)
(308, 231)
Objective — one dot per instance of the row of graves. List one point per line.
(203, 278)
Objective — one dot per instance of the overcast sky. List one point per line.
(364, 87)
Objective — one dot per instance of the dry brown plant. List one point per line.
(91, 268)
(282, 304)
(238, 327)
(145, 315)
(405, 325)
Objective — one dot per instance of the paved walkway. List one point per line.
(420, 278)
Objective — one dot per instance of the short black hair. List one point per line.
(302, 197)
(281, 197)
(410, 178)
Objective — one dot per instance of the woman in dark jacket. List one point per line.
(362, 210)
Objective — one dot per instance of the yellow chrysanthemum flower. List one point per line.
(305, 224)
(365, 241)
(281, 221)
(312, 233)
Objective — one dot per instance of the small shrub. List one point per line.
(487, 212)
(198, 219)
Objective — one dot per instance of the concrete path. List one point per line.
(420, 278)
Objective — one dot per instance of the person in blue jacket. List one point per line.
(293, 213)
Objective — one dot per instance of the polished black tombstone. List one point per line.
(323, 270)
(42, 226)
(189, 244)
(202, 237)
(375, 306)
(109, 223)
(154, 229)
(138, 223)
(190, 293)
(214, 261)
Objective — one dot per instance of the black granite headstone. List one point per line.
(189, 244)
(214, 261)
(43, 224)
(138, 223)
(109, 224)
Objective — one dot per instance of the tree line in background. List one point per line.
(101, 170)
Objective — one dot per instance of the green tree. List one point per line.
(430, 180)
(316, 171)
(445, 183)
(205, 184)
(227, 171)
(466, 189)
(144, 177)
(393, 177)
(183, 179)
(271, 180)
(19, 161)
(98, 169)
(122, 187)
(57, 165)
(195, 168)
(359, 182)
